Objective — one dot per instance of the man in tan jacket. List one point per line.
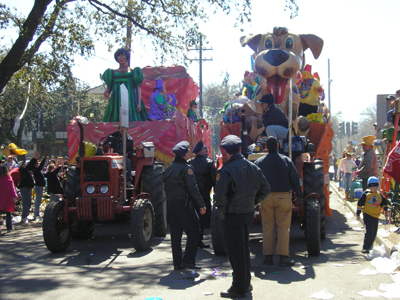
(369, 163)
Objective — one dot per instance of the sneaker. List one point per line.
(268, 260)
(129, 185)
(30, 218)
(364, 251)
(39, 219)
(286, 261)
(24, 221)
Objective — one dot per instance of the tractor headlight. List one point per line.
(104, 189)
(90, 189)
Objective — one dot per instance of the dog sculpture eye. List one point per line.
(289, 43)
(268, 44)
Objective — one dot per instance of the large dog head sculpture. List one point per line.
(279, 56)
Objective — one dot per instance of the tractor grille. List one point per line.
(96, 170)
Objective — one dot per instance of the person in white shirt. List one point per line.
(346, 166)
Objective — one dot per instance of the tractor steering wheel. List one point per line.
(101, 144)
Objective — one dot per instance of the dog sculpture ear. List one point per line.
(251, 41)
(313, 42)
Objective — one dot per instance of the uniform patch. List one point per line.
(218, 176)
(190, 171)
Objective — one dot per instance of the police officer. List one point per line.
(183, 197)
(276, 209)
(240, 186)
(205, 173)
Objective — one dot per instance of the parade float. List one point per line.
(279, 63)
(96, 189)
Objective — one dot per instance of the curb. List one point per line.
(389, 246)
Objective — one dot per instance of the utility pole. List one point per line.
(329, 86)
(129, 29)
(201, 59)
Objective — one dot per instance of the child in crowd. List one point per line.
(371, 203)
(346, 167)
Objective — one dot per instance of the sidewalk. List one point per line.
(394, 237)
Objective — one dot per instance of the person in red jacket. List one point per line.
(7, 195)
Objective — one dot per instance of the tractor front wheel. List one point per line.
(142, 224)
(56, 233)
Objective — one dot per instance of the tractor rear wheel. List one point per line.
(312, 227)
(56, 233)
(154, 185)
(73, 184)
(217, 233)
(142, 224)
(313, 180)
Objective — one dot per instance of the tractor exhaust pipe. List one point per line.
(243, 135)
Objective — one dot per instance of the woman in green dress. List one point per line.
(132, 79)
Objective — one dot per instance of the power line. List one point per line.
(200, 60)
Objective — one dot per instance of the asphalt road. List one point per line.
(107, 267)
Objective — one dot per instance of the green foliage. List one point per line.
(214, 97)
(62, 28)
(366, 123)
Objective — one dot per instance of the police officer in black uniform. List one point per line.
(205, 173)
(183, 198)
(240, 186)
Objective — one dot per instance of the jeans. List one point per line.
(128, 170)
(371, 229)
(277, 131)
(38, 200)
(26, 194)
(347, 182)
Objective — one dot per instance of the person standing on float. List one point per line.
(132, 79)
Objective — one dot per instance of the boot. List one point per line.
(347, 195)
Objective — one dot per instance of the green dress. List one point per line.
(131, 79)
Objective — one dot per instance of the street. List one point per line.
(107, 266)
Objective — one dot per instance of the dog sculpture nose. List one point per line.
(276, 57)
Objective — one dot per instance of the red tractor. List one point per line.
(94, 192)
(311, 157)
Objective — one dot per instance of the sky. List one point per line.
(360, 40)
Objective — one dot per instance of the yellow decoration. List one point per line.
(315, 118)
(16, 150)
(90, 149)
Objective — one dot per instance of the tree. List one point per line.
(215, 96)
(366, 123)
(47, 108)
(70, 27)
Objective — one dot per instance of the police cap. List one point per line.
(199, 146)
(231, 143)
(181, 148)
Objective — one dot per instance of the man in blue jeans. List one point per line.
(26, 185)
(40, 183)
